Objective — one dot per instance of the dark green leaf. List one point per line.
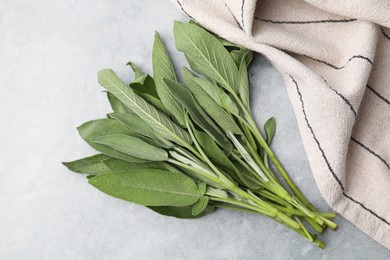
(149, 187)
(132, 146)
(89, 165)
(215, 111)
(96, 128)
(181, 212)
(162, 68)
(200, 205)
(117, 165)
(270, 129)
(197, 113)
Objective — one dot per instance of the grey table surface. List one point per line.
(50, 52)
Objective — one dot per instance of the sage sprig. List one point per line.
(185, 149)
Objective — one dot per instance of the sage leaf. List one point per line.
(200, 205)
(209, 104)
(89, 165)
(144, 85)
(117, 105)
(135, 124)
(218, 95)
(197, 113)
(270, 129)
(184, 212)
(117, 165)
(149, 187)
(163, 68)
(96, 128)
(242, 54)
(243, 87)
(133, 146)
(206, 54)
(156, 119)
(202, 187)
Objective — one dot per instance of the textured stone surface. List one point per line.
(50, 53)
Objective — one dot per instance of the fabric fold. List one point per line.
(335, 60)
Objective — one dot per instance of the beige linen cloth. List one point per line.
(335, 59)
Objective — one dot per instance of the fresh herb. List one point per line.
(184, 151)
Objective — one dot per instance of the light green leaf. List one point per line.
(117, 105)
(202, 187)
(184, 212)
(149, 187)
(96, 128)
(200, 205)
(132, 146)
(270, 129)
(135, 124)
(89, 165)
(162, 68)
(243, 88)
(139, 76)
(215, 111)
(156, 119)
(206, 54)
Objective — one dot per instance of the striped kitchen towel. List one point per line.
(335, 59)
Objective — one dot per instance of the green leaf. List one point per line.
(117, 105)
(243, 88)
(156, 119)
(270, 129)
(144, 85)
(89, 165)
(206, 55)
(149, 187)
(200, 205)
(197, 113)
(96, 128)
(135, 124)
(218, 95)
(181, 212)
(215, 111)
(117, 165)
(133, 146)
(202, 187)
(139, 76)
(242, 54)
(162, 68)
(215, 154)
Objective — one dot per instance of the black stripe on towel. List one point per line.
(338, 68)
(371, 152)
(242, 13)
(235, 19)
(385, 34)
(327, 162)
(342, 97)
(184, 11)
(306, 22)
(378, 95)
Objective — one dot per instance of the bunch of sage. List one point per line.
(184, 151)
